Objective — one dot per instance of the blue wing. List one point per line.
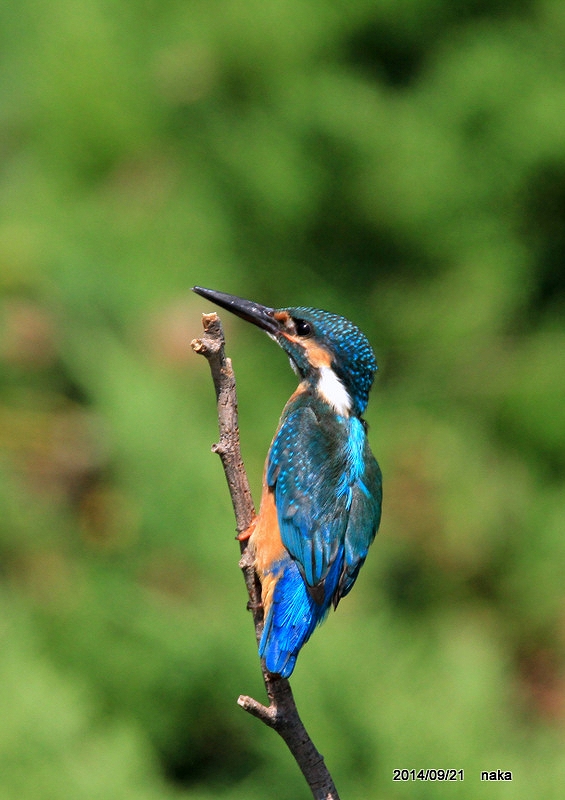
(363, 522)
(327, 494)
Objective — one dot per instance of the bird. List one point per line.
(322, 488)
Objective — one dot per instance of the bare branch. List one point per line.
(281, 714)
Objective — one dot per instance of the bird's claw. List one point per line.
(244, 535)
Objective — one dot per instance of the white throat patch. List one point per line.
(332, 390)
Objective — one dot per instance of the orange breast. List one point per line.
(267, 544)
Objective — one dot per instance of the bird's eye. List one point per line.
(302, 328)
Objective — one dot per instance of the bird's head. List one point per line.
(327, 351)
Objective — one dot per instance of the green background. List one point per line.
(401, 163)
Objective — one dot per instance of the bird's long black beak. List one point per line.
(259, 315)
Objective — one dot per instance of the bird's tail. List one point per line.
(290, 618)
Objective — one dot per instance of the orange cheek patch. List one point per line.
(318, 356)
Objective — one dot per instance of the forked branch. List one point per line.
(281, 714)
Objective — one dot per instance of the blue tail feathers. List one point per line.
(293, 615)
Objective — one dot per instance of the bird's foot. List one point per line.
(244, 535)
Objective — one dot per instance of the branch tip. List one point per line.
(209, 319)
(265, 713)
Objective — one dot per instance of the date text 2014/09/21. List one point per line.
(428, 775)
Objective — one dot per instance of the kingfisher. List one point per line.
(322, 489)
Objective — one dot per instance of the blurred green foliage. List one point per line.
(401, 163)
